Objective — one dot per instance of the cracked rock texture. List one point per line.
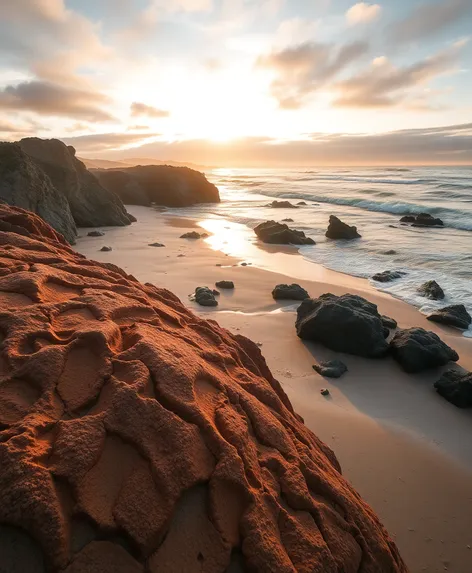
(136, 437)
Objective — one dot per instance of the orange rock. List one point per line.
(136, 436)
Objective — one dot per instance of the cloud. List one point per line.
(384, 85)
(362, 13)
(107, 141)
(50, 99)
(441, 145)
(140, 109)
(138, 127)
(428, 19)
(303, 69)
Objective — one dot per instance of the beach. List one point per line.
(404, 448)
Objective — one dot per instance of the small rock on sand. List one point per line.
(331, 368)
(204, 296)
(156, 245)
(225, 284)
(106, 249)
(324, 392)
(456, 388)
(96, 234)
(194, 235)
(290, 292)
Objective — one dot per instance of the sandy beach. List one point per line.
(404, 448)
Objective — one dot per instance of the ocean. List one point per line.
(374, 200)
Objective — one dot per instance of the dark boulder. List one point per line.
(301, 203)
(194, 235)
(289, 292)
(455, 315)
(417, 349)
(390, 323)
(160, 184)
(156, 245)
(205, 296)
(24, 184)
(331, 369)
(90, 203)
(228, 285)
(287, 220)
(279, 234)
(456, 388)
(388, 276)
(422, 220)
(389, 252)
(282, 205)
(95, 234)
(339, 230)
(106, 249)
(432, 290)
(347, 323)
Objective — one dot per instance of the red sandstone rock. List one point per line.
(136, 437)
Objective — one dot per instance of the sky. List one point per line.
(241, 82)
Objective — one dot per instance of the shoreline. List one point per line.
(402, 446)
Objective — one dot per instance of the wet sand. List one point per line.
(406, 450)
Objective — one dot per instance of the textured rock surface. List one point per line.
(455, 315)
(136, 437)
(290, 292)
(388, 276)
(339, 230)
(228, 285)
(417, 349)
(331, 369)
(160, 184)
(388, 322)
(347, 323)
(24, 184)
(456, 387)
(280, 234)
(205, 296)
(431, 289)
(90, 203)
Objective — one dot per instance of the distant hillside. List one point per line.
(133, 161)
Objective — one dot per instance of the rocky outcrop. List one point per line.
(280, 234)
(455, 316)
(347, 323)
(331, 369)
(417, 349)
(159, 184)
(289, 292)
(388, 322)
(90, 203)
(388, 276)
(136, 437)
(282, 205)
(422, 220)
(24, 184)
(432, 290)
(456, 388)
(339, 230)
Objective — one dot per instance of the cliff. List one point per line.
(160, 184)
(137, 437)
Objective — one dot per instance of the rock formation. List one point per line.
(388, 276)
(422, 220)
(290, 292)
(160, 184)
(90, 203)
(431, 289)
(331, 368)
(282, 205)
(347, 323)
(137, 437)
(279, 234)
(455, 316)
(456, 388)
(24, 184)
(417, 349)
(339, 230)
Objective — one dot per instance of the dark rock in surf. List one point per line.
(339, 230)
(416, 349)
(389, 252)
(422, 220)
(388, 276)
(290, 292)
(455, 315)
(228, 285)
(331, 369)
(347, 323)
(194, 235)
(456, 388)
(282, 205)
(432, 290)
(277, 233)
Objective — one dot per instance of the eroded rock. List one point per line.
(339, 230)
(432, 290)
(455, 316)
(388, 276)
(290, 292)
(277, 233)
(456, 388)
